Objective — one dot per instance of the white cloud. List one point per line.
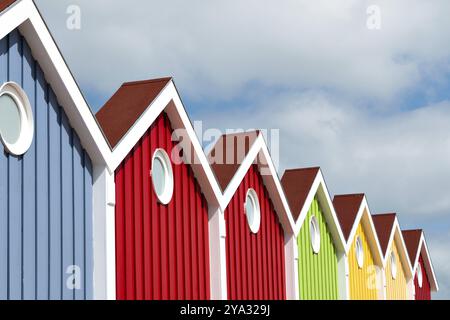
(214, 49)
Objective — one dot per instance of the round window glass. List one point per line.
(16, 119)
(10, 122)
(393, 265)
(419, 275)
(315, 234)
(359, 252)
(252, 210)
(162, 176)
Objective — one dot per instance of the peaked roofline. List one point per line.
(363, 213)
(422, 249)
(258, 152)
(318, 187)
(24, 14)
(394, 234)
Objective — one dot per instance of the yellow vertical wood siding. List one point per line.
(362, 281)
(396, 289)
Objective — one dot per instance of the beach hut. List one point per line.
(365, 260)
(50, 151)
(398, 284)
(256, 219)
(163, 189)
(425, 281)
(320, 245)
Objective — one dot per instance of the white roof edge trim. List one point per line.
(319, 182)
(428, 263)
(396, 230)
(147, 118)
(258, 146)
(364, 207)
(24, 14)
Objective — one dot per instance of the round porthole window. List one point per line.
(419, 275)
(252, 210)
(16, 119)
(359, 252)
(162, 176)
(393, 265)
(315, 234)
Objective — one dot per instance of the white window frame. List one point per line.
(256, 222)
(359, 252)
(167, 193)
(393, 261)
(419, 275)
(314, 237)
(25, 139)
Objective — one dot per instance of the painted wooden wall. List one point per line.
(317, 272)
(255, 262)
(423, 293)
(396, 289)
(362, 281)
(45, 195)
(162, 252)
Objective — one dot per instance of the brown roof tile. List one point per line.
(125, 107)
(296, 184)
(347, 207)
(5, 4)
(412, 241)
(383, 225)
(234, 146)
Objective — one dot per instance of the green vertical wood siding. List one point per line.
(317, 273)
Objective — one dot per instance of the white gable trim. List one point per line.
(364, 213)
(24, 15)
(396, 234)
(423, 248)
(272, 183)
(319, 187)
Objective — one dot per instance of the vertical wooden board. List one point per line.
(129, 231)
(42, 191)
(163, 240)
(120, 235)
(29, 185)
(179, 234)
(200, 253)
(146, 217)
(15, 184)
(88, 228)
(248, 244)
(259, 248)
(54, 136)
(79, 222)
(3, 187)
(156, 252)
(138, 218)
(67, 191)
(171, 221)
(193, 240)
(206, 248)
(187, 237)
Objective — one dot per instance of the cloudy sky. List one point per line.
(370, 106)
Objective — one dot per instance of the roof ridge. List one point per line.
(300, 169)
(139, 82)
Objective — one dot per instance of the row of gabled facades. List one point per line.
(125, 204)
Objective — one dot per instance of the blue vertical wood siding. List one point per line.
(45, 195)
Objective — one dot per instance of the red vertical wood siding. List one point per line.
(423, 293)
(255, 262)
(162, 252)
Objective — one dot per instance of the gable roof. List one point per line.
(412, 241)
(4, 4)
(301, 186)
(125, 107)
(384, 224)
(416, 244)
(297, 184)
(351, 210)
(388, 231)
(233, 155)
(24, 15)
(228, 153)
(347, 207)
